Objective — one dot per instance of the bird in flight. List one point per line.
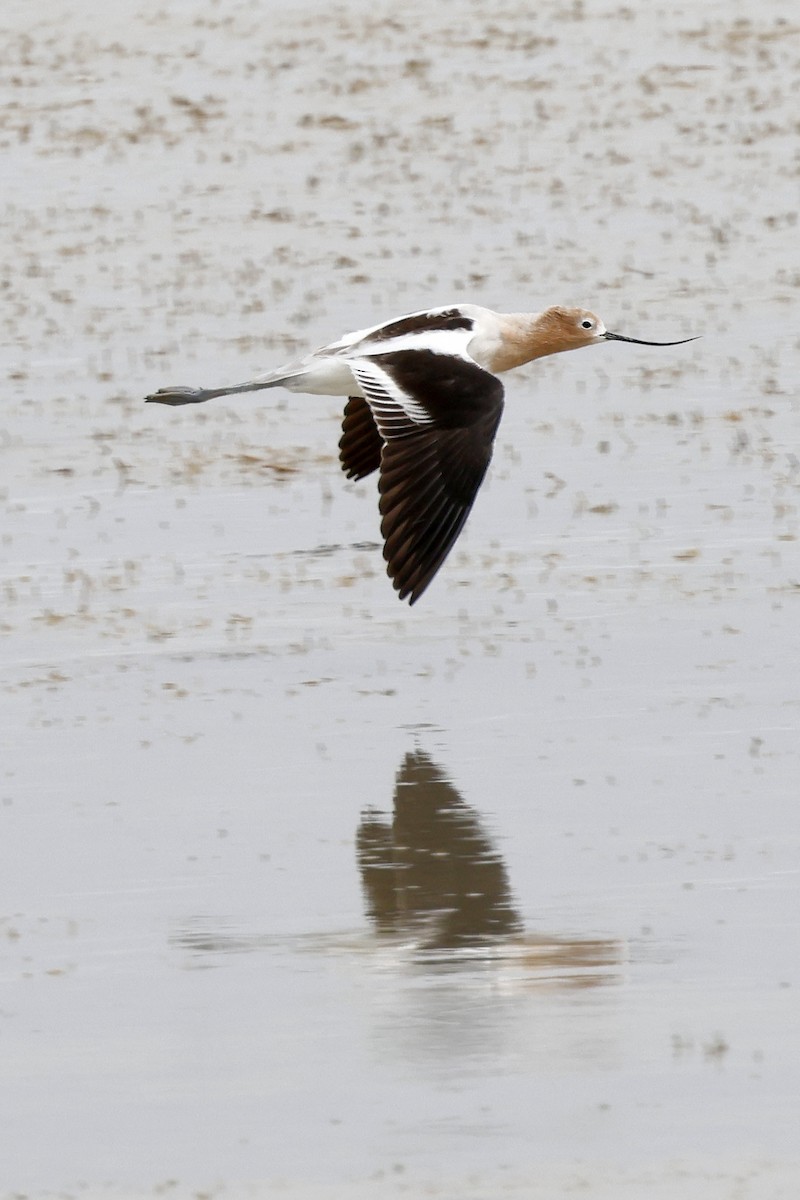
(423, 406)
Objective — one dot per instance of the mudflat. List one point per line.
(305, 892)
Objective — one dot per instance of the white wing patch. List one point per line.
(441, 341)
(396, 413)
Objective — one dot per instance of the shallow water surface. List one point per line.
(306, 892)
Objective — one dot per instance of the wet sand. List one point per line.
(305, 892)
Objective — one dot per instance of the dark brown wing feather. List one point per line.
(430, 470)
(436, 416)
(360, 444)
(428, 485)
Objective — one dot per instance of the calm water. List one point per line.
(304, 892)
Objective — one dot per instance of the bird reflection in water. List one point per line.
(432, 876)
(437, 894)
(433, 871)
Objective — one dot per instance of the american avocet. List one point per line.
(423, 408)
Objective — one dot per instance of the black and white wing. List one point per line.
(452, 324)
(436, 416)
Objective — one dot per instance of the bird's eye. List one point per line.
(587, 324)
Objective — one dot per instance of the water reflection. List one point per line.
(432, 877)
(432, 871)
(437, 895)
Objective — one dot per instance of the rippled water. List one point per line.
(304, 892)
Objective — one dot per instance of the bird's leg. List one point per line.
(192, 395)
